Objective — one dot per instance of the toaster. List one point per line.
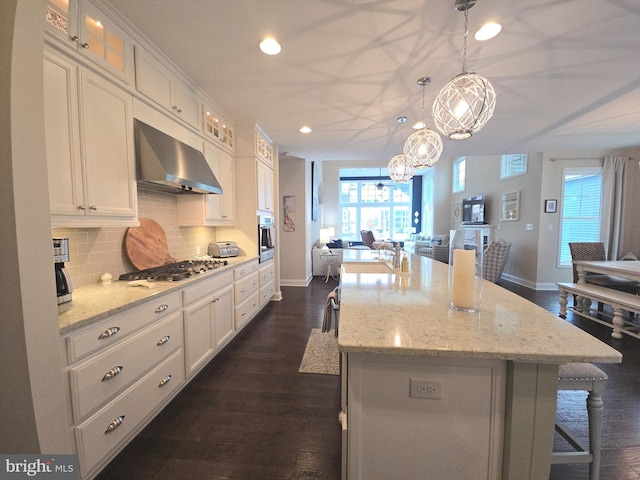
(223, 249)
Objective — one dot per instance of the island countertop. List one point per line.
(408, 314)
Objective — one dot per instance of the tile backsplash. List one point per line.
(95, 251)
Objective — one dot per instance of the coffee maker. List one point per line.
(63, 279)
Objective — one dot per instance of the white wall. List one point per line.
(295, 247)
(32, 406)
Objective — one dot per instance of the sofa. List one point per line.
(436, 247)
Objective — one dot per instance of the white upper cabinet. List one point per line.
(89, 31)
(217, 128)
(213, 209)
(89, 144)
(158, 83)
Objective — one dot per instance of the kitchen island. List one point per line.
(434, 393)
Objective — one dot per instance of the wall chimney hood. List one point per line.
(165, 163)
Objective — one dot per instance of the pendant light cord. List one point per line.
(464, 48)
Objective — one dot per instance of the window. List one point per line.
(374, 203)
(459, 168)
(581, 200)
(513, 164)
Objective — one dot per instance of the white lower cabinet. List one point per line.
(117, 422)
(129, 365)
(267, 282)
(247, 293)
(208, 319)
(123, 369)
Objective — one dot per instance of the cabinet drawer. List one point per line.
(245, 287)
(206, 287)
(266, 293)
(267, 274)
(119, 326)
(245, 269)
(96, 381)
(247, 310)
(93, 437)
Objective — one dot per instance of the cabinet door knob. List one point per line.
(75, 38)
(164, 381)
(81, 207)
(93, 207)
(163, 340)
(108, 332)
(85, 45)
(112, 373)
(115, 424)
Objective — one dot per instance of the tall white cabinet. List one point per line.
(90, 147)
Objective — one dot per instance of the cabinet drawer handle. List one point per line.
(164, 381)
(242, 290)
(115, 424)
(112, 373)
(242, 271)
(108, 332)
(163, 340)
(162, 308)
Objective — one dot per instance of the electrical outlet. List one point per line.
(425, 389)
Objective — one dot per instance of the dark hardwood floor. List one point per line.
(249, 414)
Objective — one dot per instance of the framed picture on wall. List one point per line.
(510, 206)
(550, 206)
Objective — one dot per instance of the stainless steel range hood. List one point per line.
(165, 163)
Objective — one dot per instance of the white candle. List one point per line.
(463, 277)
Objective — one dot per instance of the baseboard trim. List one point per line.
(528, 284)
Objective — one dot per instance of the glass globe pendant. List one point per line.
(400, 169)
(467, 102)
(423, 147)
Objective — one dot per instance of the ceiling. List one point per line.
(566, 72)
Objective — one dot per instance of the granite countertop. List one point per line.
(408, 314)
(91, 303)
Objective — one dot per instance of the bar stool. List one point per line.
(583, 376)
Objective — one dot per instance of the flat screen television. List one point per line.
(473, 211)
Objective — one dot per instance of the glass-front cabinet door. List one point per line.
(89, 31)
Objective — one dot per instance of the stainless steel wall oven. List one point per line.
(266, 236)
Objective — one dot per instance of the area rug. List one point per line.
(321, 355)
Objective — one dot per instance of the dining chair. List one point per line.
(588, 377)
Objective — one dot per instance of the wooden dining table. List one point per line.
(618, 268)
(620, 301)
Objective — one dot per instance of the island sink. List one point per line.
(367, 267)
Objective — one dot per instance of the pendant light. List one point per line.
(400, 168)
(423, 147)
(467, 102)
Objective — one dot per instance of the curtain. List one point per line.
(613, 173)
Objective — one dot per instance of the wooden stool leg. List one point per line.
(595, 408)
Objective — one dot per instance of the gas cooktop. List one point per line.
(174, 272)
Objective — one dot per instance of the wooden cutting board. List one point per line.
(146, 246)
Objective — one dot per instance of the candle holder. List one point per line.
(465, 270)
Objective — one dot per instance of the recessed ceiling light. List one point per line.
(305, 129)
(487, 31)
(270, 46)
